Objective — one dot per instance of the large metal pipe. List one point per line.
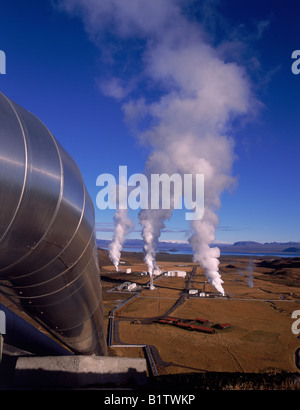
(23, 336)
(48, 256)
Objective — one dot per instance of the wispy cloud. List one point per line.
(228, 228)
(104, 226)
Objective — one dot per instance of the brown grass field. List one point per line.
(259, 343)
(259, 339)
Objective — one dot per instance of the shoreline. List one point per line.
(165, 255)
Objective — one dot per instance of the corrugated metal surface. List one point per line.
(48, 260)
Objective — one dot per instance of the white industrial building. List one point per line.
(176, 273)
(126, 286)
(131, 286)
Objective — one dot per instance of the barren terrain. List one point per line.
(257, 350)
(259, 339)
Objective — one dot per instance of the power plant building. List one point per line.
(176, 273)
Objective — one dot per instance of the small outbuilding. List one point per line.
(222, 326)
(176, 273)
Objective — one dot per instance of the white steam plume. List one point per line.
(186, 121)
(123, 224)
(152, 222)
(250, 273)
(189, 130)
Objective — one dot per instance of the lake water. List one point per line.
(248, 254)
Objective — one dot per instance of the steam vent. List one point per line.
(48, 264)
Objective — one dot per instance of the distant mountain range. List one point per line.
(241, 246)
(251, 246)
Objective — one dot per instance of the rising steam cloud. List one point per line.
(186, 123)
(123, 224)
(250, 273)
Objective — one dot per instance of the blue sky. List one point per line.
(58, 62)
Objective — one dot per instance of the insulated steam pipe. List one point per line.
(48, 257)
(22, 335)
